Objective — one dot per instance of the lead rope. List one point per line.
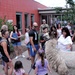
(32, 65)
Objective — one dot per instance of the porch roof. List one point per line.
(51, 10)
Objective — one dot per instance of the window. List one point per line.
(26, 20)
(32, 19)
(19, 20)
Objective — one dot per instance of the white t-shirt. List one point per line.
(69, 27)
(19, 72)
(46, 35)
(59, 32)
(27, 37)
(64, 42)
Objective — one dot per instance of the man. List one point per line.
(44, 37)
(33, 42)
(69, 26)
(44, 25)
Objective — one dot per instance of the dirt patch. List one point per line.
(12, 55)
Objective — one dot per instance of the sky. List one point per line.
(53, 3)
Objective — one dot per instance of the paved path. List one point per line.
(27, 64)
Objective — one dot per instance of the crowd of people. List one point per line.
(35, 43)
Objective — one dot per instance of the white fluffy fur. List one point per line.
(55, 57)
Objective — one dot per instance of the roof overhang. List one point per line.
(51, 10)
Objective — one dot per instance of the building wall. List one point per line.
(9, 8)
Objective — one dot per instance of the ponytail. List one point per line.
(42, 59)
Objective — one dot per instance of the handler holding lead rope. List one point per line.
(33, 34)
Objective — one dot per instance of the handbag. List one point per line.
(13, 41)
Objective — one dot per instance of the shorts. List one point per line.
(32, 52)
(28, 46)
(17, 44)
(5, 59)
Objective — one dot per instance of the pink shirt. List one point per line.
(19, 72)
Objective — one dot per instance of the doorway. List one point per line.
(32, 19)
(44, 17)
(19, 20)
(26, 20)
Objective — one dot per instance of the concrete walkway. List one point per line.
(27, 65)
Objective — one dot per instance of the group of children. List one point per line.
(41, 66)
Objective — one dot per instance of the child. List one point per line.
(18, 69)
(27, 42)
(41, 65)
(44, 37)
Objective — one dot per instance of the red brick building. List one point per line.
(21, 12)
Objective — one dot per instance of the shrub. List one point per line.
(11, 47)
(5, 21)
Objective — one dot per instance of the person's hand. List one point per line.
(34, 49)
(40, 48)
(15, 38)
(10, 60)
(68, 47)
(25, 43)
(50, 71)
(19, 36)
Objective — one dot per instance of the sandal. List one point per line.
(28, 58)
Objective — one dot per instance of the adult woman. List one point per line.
(42, 65)
(15, 39)
(5, 51)
(53, 32)
(65, 41)
(58, 30)
(27, 42)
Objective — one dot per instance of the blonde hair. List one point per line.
(4, 27)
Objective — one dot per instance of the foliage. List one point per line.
(10, 26)
(71, 13)
(11, 47)
(58, 9)
(22, 38)
(4, 21)
(70, 2)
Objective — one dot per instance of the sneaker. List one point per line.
(23, 56)
(28, 58)
(16, 57)
(33, 66)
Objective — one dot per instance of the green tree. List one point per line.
(4, 21)
(71, 12)
(58, 10)
(70, 2)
